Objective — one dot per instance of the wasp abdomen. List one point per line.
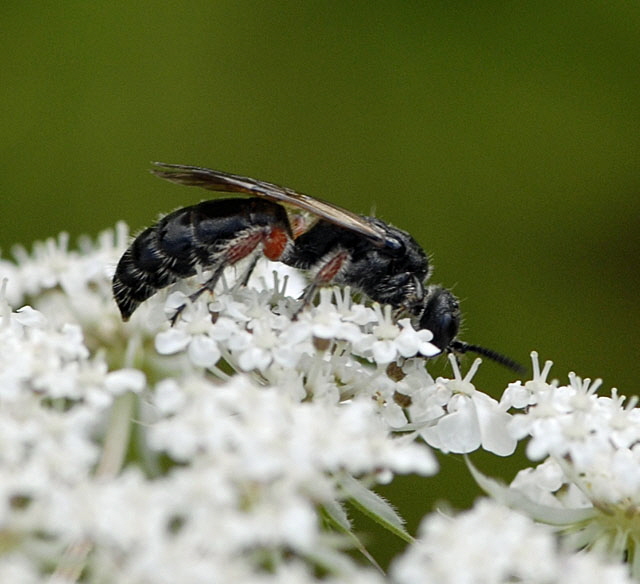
(210, 233)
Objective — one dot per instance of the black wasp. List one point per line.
(337, 246)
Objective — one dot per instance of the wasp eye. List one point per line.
(441, 315)
(447, 329)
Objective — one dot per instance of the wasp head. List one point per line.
(440, 315)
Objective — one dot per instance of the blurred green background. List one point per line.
(505, 136)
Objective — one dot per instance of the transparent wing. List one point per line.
(215, 180)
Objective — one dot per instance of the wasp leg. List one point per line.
(209, 286)
(248, 271)
(273, 240)
(324, 276)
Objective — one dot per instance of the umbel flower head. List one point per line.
(492, 543)
(229, 446)
(589, 481)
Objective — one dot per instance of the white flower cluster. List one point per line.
(589, 481)
(493, 544)
(596, 437)
(233, 471)
(329, 350)
(456, 417)
(54, 401)
(223, 448)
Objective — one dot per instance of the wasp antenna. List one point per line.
(462, 347)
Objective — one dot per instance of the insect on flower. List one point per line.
(334, 245)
